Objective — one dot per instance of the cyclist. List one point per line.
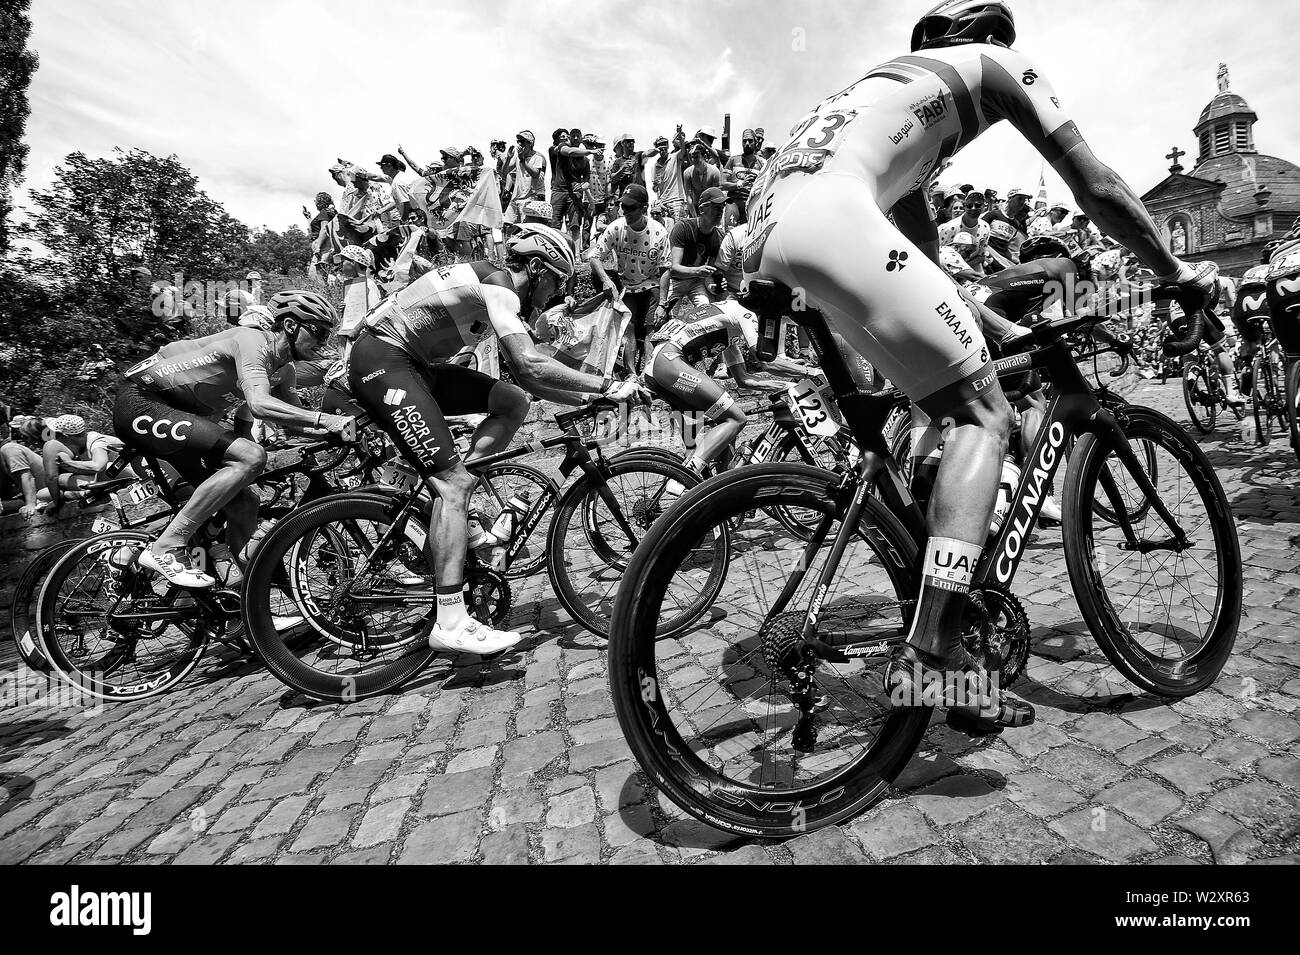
(168, 403)
(1250, 315)
(678, 348)
(1216, 338)
(398, 371)
(818, 224)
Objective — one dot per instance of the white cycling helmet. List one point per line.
(550, 246)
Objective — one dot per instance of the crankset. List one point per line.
(1000, 638)
(488, 596)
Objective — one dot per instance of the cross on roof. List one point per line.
(1173, 156)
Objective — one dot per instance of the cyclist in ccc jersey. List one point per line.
(818, 224)
(678, 347)
(398, 372)
(167, 404)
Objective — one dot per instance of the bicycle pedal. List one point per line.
(972, 726)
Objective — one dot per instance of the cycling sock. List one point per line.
(451, 606)
(945, 580)
(184, 528)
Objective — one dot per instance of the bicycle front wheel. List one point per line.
(364, 592)
(710, 714)
(599, 523)
(1293, 405)
(113, 629)
(1198, 396)
(1165, 614)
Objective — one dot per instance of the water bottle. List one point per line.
(1007, 485)
(504, 528)
(1246, 430)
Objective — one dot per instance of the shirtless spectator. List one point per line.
(75, 457)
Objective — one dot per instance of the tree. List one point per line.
(102, 217)
(278, 253)
(17, 64)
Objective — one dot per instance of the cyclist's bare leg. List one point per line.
(507, 408)
(241, 464)
(1229, 372)
(717, 439)
(449, 528)
(1032, 410)
(961, 507)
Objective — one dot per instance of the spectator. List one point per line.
(635, 249)
(360, 291)
(936, 195)
(358, 217)
(700, 177)
(324, 212)
(670, 189)
(1007, 227)
(598, 181)
(969, 224)
(694, 248)
(22, 469)
(529, 170)
(401, 181)
(627, 168)
(568, 172)
(1051, 222)
(75, 456)
(504, 170)
(953, 204)
(760, 138)
(731, 258)
(708, 136)
(1081, 231)
(748, 163)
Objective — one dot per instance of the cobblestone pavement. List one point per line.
(523, 761)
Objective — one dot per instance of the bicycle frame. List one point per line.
(1073, 410)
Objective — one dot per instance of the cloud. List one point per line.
(259, 97)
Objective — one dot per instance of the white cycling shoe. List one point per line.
(176, 571)
(1051, 511)
(472, 637)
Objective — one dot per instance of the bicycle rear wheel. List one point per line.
(22, 616)
(1198, 396)
(590, 545)
(1165, 617)
(365, 595)
(1268, 394)
(709, 713)
(113, 629)
(1293, 405)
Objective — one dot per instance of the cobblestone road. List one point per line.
(523, 761)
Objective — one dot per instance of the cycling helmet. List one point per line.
(550, 246)
(306, 308)
(955, 22)
(68, 424)
(1255, 275)
(1044, 247)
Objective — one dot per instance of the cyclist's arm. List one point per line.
(679, 271)
(532, 367)
(1034, 109)
(912, 218)
(252, 360)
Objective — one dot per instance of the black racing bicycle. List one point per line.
(769, 716)
(356, 564)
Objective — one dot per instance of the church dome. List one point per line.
(1244, 174)
(1225, 104)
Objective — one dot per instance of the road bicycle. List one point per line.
(121, 632)
(769, 717)
(1268, 373)
(356, 564)
(1204, 392)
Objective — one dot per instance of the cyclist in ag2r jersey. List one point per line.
(398, 371)
(818, 224)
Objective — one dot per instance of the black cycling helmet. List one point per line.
(1044, 247)
(954, 22)
(306, 308)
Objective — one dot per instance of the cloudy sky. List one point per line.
(259, 97)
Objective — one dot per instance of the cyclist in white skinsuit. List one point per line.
(818, 224)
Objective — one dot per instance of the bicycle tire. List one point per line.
(789, 450)
(679, 772)
(1199, 399)
(22, 616)
(169, 672)
(1263, 395)
(411, 652)
(1293, 405)
(1188, 673)
(577, 509)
